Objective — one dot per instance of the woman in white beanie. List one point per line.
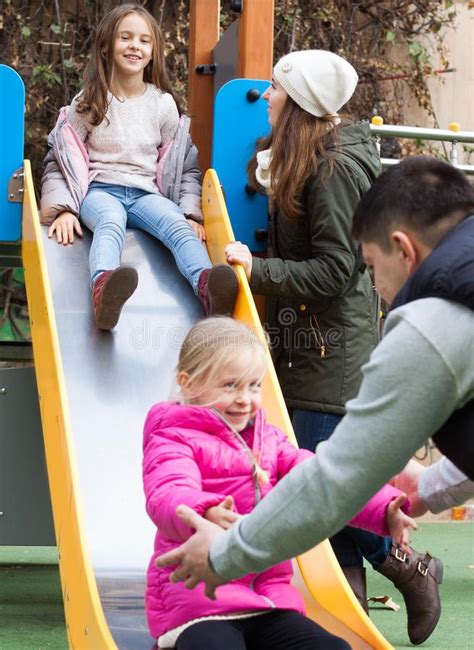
(315, 166)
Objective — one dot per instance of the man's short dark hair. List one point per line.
(422, 193)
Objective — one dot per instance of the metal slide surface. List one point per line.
(111, 380)
(95, 390)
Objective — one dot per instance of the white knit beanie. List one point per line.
(320, 82)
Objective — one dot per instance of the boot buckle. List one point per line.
(422, 568)
(400, 555)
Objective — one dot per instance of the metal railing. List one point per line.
(453, 135)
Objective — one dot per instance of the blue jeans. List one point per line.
(108, 210)
(351, 544)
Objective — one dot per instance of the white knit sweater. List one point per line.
(123, 151)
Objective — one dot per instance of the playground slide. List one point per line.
(95, 389)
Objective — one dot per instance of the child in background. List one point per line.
(213, 451)
(120, 155)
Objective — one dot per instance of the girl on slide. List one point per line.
(121, 156)
(213, 451)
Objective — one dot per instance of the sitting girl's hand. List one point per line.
(223, 514)
(64, 226)
(198, 229)
(399, 523)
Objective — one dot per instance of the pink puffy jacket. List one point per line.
(192, 457)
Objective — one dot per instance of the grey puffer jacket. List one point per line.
(66, 174)
(321, 308)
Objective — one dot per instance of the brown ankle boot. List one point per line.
(217, 290)
(110, 292)
(355, 576)
(417, 577)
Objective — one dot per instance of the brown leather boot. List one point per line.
(417, 577)
(355, 576)
(217, 290)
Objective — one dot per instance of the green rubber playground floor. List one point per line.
(31, 605)
(31, 609)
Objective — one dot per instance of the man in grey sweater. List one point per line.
(417, 234)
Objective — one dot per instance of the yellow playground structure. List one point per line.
(94, 387)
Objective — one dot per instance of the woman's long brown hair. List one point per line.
(97, 78)
(298, 142)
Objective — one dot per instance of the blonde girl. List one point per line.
(213, 451)
(121, 156)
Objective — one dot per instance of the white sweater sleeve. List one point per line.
(443, 486)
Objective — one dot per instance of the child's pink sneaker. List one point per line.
(110, 292)
(217, 290)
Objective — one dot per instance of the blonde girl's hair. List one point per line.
(299, 142)
(209, 347)
(98, 74)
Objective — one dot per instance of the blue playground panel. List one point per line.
(238, 123)
(12, 133)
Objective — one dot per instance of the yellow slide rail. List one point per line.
(85, 621)
(329, 599)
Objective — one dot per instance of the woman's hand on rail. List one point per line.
(238, 253)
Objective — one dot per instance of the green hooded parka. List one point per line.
(321, 306)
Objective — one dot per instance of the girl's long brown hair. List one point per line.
(298, 142)
(97, 78)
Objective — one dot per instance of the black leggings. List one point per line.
(277, 630)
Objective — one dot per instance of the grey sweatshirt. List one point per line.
(422, 371)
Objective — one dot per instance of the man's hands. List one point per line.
(407, 481)
(65, 226)
(223, 515)
(198, 229)
(399, 523)
(192, 556)
(238, 253)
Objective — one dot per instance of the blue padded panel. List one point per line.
(238, 123)
(12, 133)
